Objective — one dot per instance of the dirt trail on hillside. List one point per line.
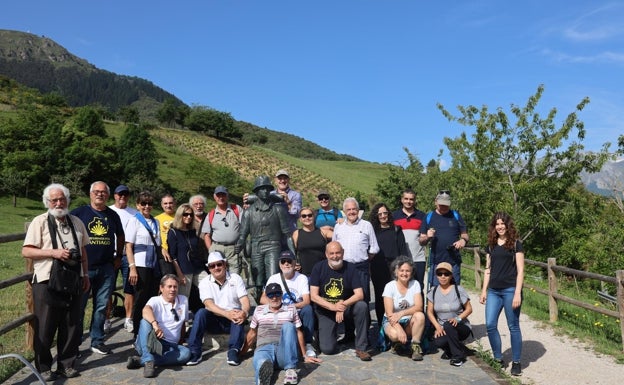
(548, 358)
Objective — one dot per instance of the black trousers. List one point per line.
(145, 288)
(451, 343)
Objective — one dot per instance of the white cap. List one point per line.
(215, 256)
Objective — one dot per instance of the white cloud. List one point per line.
(600, 57)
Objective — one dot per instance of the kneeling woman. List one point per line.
(448, 308)
(404, 319)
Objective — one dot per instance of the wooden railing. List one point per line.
(553, 296)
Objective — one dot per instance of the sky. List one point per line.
(360, 77)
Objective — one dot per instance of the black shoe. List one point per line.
(445, 356)
(49, 376)
(134, 362)
(148, 370)
(101, 349)
(232, 357)
(500, 362)
(457, 361)
(68, 372)
(516, 369)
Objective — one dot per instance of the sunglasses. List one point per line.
(288, 261)
(225, 222)
(175, 315)
(216, 264)
(323, 198)
(123, 194)
(307, 216)
(447, 192)
(187, 214)
(146, 204)
(443, 273)
(274, 295)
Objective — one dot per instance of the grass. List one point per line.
(601, 332)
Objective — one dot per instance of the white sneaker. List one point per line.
(290, 377)
(129, 325)
(310, 352)
(107, 326)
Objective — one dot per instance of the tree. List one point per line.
(211, 121)
(166, 114)
(129, 115)
(137, 154)
(523, 164)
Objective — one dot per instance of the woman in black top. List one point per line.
(502, 286)
(310, 242)
(183, 242)
(391, 244)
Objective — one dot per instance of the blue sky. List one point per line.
(359, 77)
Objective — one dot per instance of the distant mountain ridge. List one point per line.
(610, 178)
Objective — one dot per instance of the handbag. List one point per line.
(65, 281)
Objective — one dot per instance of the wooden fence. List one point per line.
(553, 296)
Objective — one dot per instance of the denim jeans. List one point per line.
(306, 314)
(102, 280)
(285, 353)
(206, 321)
(497, 300)
(173, 354)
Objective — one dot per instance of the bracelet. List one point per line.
(131, 265)
(153, 322)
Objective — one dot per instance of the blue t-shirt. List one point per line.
(102, 226)
(327, 218)
(447, 231)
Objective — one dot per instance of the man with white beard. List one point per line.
(336, 290)
(56, 236)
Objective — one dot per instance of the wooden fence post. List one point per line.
(619, 276)
(477, 270)
(553, 310)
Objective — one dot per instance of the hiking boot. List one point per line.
(134, 362)
(68, 372)
(416, 352)
(148, 370)
(516, 369)
(49, 376)
(290, 377)
(265, 373)
(396, 347)
(457, 361)
(363, 355)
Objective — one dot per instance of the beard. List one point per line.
(335, 265)
(58, 213)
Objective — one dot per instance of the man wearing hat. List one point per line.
(226, 307)
(296, 292)
(125, 212)
(446, 230)
(326, 215)
(276, 329)
(266, 223)
(222, 227)
(292, 198)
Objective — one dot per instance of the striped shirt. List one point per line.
(269, 324)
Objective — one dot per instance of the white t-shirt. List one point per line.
(138, 235)
(227, 296)
(172, 329)
(400, 301)
(298, 287)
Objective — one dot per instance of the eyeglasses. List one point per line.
(382, 214)
(225, 222)
(443, 273)
(323, 198)
(447, 192)
(175, 315)
(199, 204)
(187, 214)
(274, 295)
(146, 204)
(214, 265)
(303, 216)
(288, 261)
(99, 192)
(57, 200)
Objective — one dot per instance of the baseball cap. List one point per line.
(444, 266)
(121, 188)
(287, 254)
(323, 192)
(443, 198)
(220, 189)
(282, 172)
(273, 288)
(215, 256)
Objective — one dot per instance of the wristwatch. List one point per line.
(458, 319)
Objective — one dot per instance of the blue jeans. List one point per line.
(497, 300)
(206, 321)
(102, 280)
(173, 354)
(306, 314)
(285, 353)
(433, 281)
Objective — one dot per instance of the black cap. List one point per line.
(273, 288)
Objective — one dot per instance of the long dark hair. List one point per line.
(512, 232)
(374, 218)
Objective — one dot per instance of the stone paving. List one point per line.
(342, 368)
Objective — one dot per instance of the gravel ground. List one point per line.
(548, 358)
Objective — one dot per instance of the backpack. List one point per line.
(211, 214)
(430, 214)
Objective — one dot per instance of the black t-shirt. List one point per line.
(334, 285)
(503, 270)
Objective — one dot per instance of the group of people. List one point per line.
(310, 283)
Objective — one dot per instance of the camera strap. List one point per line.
(54, 230)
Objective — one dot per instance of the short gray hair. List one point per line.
(398, 262)
(349, 200)
(200, 196)
(55, 186)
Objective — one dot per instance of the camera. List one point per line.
(273, 197)
(74, 257)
